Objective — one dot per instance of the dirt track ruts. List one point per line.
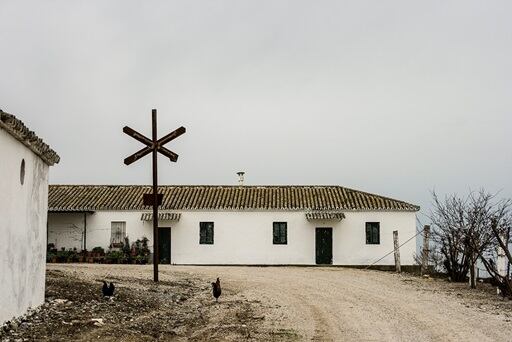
(356, 305)
(340, 304)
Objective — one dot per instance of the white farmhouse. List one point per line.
(237, 225)
(24, 165)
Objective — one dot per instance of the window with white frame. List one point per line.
(117, 232)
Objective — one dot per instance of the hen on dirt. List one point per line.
(216, 289)
(108, 290)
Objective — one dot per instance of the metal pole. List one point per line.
(155, 198)
(397, 251)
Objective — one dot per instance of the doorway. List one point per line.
(324, 246)
(164, 245)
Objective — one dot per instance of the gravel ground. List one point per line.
(263, 303)
(341, 304)
(180, 308)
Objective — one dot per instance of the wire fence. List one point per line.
(418, 233)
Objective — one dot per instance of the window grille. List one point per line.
(206, 233)
(117, 233)
(280, 233)
(372, 233)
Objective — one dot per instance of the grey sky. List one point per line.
(392, 97)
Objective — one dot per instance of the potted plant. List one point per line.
(140, 251)
(51, 253)
(113, 257)
(72, 255)
(97, 252)
(62, 255)
(127, 255)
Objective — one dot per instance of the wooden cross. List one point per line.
(154, 146)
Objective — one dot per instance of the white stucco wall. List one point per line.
(23, 213)
(66, 229)
(246, 237)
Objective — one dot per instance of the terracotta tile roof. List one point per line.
(211, 197)
(325, 215)
(18, 130)
(161, 217)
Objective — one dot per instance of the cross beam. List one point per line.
(153, 146)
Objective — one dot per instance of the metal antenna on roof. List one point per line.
(154, 146)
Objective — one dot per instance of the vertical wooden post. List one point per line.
(155, 198)
(424, 255)
(397, 251)
(85, 231)
(502, 260)
(472, 274)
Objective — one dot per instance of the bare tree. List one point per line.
(480, 240)
(448, 222)
(499, 226)
(471, 228)
(434, 260)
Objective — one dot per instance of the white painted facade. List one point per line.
(23, 215)
(245, 237)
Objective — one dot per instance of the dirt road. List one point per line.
(355, 305)
(263, 304)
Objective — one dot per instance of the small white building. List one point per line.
(24, 164)
(237, 225)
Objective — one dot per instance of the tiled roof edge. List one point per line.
(19, 131)
(417, 207)
(395, 205)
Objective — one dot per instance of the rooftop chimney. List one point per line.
(240, 178)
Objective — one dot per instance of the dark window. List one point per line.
(206, 233)
(280, 237)
(372, 233)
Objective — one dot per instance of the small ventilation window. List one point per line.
(22, 172)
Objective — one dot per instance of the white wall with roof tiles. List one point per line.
(23, 213)
(245, 237)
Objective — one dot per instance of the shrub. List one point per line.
(114, 257)
(51, 252)
(99, 250)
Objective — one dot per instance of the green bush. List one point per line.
(114, 257)
(141, 259)
(98, 250)
(51, 252)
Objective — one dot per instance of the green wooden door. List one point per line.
(164, 245)
(324, 246)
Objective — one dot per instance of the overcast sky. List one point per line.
(391, 97)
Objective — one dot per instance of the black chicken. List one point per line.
(216, 289)
(108, 290)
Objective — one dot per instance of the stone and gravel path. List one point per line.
(263, 304)
(340, 304)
